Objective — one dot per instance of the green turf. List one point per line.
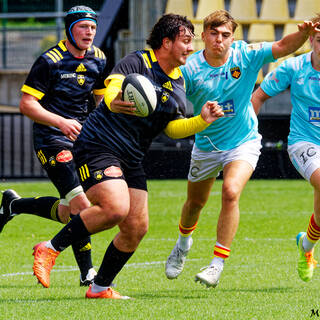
(260, 280)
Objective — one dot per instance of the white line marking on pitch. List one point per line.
(137, 264)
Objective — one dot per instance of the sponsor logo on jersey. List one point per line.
(254, 46)
(235, 72)
(314, 115)
(228, 108)
(300, 81)
(68, 75)
(81, 79)
(98, 174)
(165, 96)
(168, 85)
(113, 172)
(81, 68)
(220, 74)
(64, 156)
(312, 78)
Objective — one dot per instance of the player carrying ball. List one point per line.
(111, 146)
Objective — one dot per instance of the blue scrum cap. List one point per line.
(74, 15)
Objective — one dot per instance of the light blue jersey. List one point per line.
(304, 81)
(231, 85)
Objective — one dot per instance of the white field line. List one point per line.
(137, 264)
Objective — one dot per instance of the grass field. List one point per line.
(260, 280)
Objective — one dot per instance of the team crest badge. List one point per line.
(98, 174)
(235, 72)
(165, 96)
(80, 79)
(52, 161)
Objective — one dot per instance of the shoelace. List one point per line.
(211, 269)
(179, 254)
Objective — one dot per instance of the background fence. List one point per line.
(167, 158)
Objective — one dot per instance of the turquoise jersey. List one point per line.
(304, 81)
(231, 85)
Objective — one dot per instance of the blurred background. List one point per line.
(29, 27)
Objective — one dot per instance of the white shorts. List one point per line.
(305, 156)
(206, 164)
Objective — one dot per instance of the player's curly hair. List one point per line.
(168, 26)
(218, 18)
(316, 18)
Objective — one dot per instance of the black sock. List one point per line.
(112, 263)
(74, 231)
(82, 253)
(46, 207)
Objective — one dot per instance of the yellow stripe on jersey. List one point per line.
(84, 172)
(62, 46)
(99, 53)
(152, 55)
(41, 157)
(96, 54)
(87, 247)
(181, 128)
(55, 55)
(51, 57)
(146, 60)
(33, 92)
(58, 53)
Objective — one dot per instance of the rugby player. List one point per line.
(301, 75)
(225, 71)
(111, 146)
(64, 85)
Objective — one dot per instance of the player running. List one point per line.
(112, 145)
(63, 87)
(225, 71)
(301, 75)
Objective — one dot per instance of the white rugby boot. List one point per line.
(210, 275)
(176, 261)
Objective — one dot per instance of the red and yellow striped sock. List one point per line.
(221, 251)
(313, 232)
(186, 231)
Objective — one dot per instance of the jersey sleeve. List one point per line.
(38, 79)
(99, 87)
(258, 54)
(278, 80)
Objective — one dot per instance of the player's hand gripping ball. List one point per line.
(138, 89)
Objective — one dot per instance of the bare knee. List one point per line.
(230, 193)
(133, 234)
(114, 214)
(79, 203)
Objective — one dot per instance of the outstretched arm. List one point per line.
(294, 41)
(181, 128)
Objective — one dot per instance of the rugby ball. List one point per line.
(138, 89)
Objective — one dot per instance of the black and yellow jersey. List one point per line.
(65, 86)
(127, 136)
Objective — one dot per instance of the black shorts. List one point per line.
(59, 164)
(95, 166)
